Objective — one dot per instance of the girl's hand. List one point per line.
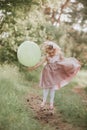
(37, 65)
(30, 68)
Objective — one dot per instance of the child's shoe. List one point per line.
(51, 109)
(42, 105)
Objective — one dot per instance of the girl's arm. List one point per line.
(61, 56)
(37, 65)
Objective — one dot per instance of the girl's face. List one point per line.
(51, 52)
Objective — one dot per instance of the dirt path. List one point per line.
(55, 120)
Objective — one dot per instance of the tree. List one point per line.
(38, 20)
(19, 21)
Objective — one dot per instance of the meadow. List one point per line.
(16, 84)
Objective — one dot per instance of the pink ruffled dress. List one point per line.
(58, 73)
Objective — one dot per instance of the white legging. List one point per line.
(52, 94)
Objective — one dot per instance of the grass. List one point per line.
(71, 107)
(81, 78)
(86, 89)
(70, 104)
(14, 114)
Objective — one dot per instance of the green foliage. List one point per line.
(7, 55)
(25, 20)
(73, 44)
(79, 47)
(17, 2)
(19, 23)
(86, 89)
(84, 11)
(23, 23)
(53, 33)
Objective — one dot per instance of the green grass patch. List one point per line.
(71, 106)
(14, 114)
(33, 76)
(81, 78)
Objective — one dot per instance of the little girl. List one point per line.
(57, 71)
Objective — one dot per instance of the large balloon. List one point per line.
(28, 53)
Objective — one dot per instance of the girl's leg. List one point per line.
(52, 94)
(45, 94)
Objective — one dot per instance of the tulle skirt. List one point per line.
(59, 73)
